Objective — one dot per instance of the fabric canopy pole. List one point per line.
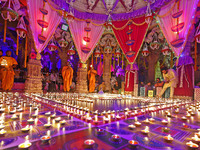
(167, 20)
(78, 32)
(53, 19)
(139, 29)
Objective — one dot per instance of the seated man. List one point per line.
(148, 87)
(158, 83)
(170, 80)
(102, 88)
(116, 88)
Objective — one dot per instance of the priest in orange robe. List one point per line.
(67, 74)
(91, 77)
(7, 72)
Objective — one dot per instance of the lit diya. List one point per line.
(2, 110)
(62, 122)
(131, 127)
(47, 125)
(30, 121)
(106, 120)
(53, 116)
(196, 139)
(192, 145)
(48, 113)
(2, 132)
(89, 143)
(164, 122)
(26, 129)
(188, 115)
(115, 138)
(137, 124)
(13, 111)
(198, 134)
(2, 126)
(166, 129)
(176, 111)
(133, 144)
(146, 121)
(168, 138)
(151, 120)
(19, 110)
(89, 119)
(118, 117)
(45, 138)
(169, 115)
(192, 114)
(100, 131)
(35, 108)
(183, 118)
(185, 126)
(34, 115)
(146, 130)
(14, 117)
(25, 145)
(57, 119)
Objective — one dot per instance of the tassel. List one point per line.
(195, 56)
(118, 61)
(92, 61)
(177, 61)
(103, 66)
(171, 62)
(110, 66)
(26, 43)
(5, 27)
(114, 61)
(17, 44)
(122, 61)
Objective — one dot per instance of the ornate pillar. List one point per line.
(33, 82)
(81, 81)
(107, 71)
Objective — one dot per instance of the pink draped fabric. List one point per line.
(53, 19)
(100, 69)
(166, 21)
(77, 30)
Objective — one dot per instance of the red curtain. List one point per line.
(185, 84)
(139, 28)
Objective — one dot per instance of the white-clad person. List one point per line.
(170, 80)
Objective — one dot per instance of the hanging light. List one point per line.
(8, 13)
(148, 15)
(62, 42)
(118, 53)
(165, 51)
(108, 49)
(155, 44)
(145, 51)
(21, 28)
(52, 46)
(97, 53)
(71, 51)
(21, 31)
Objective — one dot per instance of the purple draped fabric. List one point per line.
(122, 16)
(133, 67)
(185, 58)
